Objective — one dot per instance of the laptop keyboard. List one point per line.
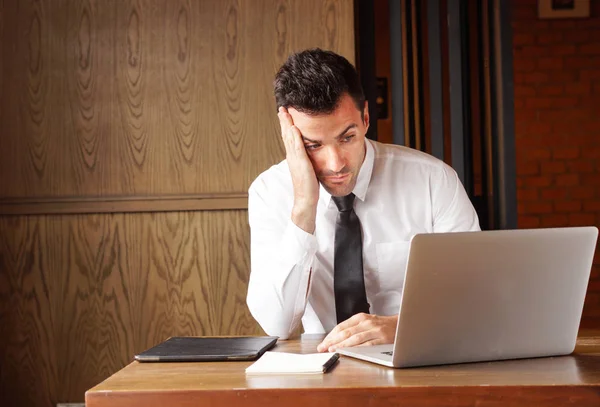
(388, 353)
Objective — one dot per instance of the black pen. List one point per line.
(331, 362)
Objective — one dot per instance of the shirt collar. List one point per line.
(362, 182)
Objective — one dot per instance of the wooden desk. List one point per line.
(557, 381)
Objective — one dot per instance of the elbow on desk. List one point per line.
(271, 319)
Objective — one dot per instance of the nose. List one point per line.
(335, 161)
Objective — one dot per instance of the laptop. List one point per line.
(491, 295)
(208, 349)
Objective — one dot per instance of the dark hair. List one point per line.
(314, 80)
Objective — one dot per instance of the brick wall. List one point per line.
(557, 115)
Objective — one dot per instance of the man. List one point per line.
(340, 271)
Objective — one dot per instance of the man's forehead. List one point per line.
(319, 131)
(323, 122)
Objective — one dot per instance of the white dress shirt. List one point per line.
(399, 192)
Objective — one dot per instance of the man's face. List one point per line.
(335, 144)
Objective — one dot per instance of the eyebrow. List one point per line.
(342, 134)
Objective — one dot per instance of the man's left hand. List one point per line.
(360, 330)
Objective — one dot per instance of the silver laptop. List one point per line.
(492, 295)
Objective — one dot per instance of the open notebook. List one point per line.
(281, 362)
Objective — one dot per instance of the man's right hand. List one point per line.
(306, 186)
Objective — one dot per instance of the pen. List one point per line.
(331, 362)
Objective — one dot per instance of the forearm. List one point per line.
(304, 216)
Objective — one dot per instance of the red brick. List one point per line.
(528, 222)
(590, 179)
(533, 51)
(589, 103)
(525, 65)
(564, 49)
(541, 181)
(523, 90)
(526, 116)
(563, 24)
(566, 153)
(576, 37)
(554, 193)
(550, 90)
(549, 63)
(580, 167)
(556, 140)
(536, 77)
(530, 168)
(568, 206)
(523, 39)
(521, 160)
(525, 139)
(557, 125)
(564, 76)
(564, 101)
(567, 180)
(527, 194)
(583, 192)
(591, 152)
(591, 206)
(578, 88)
(554, 220)
(584, 139)
(524, 13)
(537, 207)
(589, 75)
(537, 154)
(576, 62)
(595, 274)
(589, 23)
(539, 128)
(591, 49)
(565, 116)
(553, 167)
(582, 219)
(565, 128)
(550, 38)
(535, 25)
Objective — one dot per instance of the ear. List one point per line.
(366, 115)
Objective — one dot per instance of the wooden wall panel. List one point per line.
(133, 106)
(28, 364)
(80, 295)
(148, 97)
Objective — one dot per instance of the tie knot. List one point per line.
(344, 203)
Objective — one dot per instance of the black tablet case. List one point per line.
(208, 349)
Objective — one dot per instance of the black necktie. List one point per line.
(348, 278)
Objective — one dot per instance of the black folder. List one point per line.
(208, 349)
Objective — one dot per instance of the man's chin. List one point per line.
(338, 189)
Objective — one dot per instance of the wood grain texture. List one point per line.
(148, 97)
(556, 381)
(28, 363)
(106, 204)
(133, 105)
(80, 295)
